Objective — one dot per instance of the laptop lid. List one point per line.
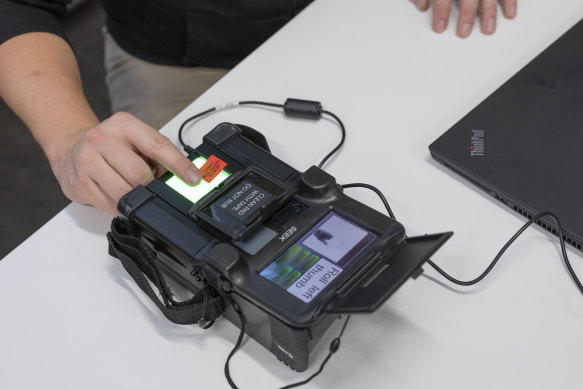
(524, 143)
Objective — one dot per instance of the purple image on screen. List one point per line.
(338, 240)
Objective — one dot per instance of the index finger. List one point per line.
(156, 146)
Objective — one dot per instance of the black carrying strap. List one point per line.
(140, 261)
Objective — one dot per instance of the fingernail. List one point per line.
(440, 26)
(490, 26)
(193, 177)
(465, 30)
(512, 11)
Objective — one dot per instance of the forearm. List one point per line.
(40, 81)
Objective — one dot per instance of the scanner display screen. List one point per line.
(198, 191)
(318, 257)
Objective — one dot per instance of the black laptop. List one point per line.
(524, 143)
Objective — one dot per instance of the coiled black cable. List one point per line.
(502, 250)
(320, 111)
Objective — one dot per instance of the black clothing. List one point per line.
(20, 17)
(216, 33)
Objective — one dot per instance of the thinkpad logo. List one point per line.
(478, 143)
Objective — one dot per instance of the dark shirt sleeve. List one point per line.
(22, 16)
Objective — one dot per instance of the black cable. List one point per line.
(505, 247)
(501, 252)
(323, 111)
(237, 345)
(378, 192)
(334, 346)
(335, 149)
(188, 149)
(255, 102)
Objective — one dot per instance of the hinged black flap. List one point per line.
(406, 263)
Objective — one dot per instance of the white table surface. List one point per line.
(70, 317)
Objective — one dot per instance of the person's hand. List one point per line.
(98, 166)
(468, 11)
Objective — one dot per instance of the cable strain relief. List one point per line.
(189, 150)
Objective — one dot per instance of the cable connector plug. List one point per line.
(303, 109)
(189, 150)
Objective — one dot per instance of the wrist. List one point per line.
(59, 140)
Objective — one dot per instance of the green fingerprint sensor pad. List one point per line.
(196, 192)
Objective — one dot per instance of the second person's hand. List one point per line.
(467, 14)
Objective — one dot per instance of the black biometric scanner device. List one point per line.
(286, 251)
